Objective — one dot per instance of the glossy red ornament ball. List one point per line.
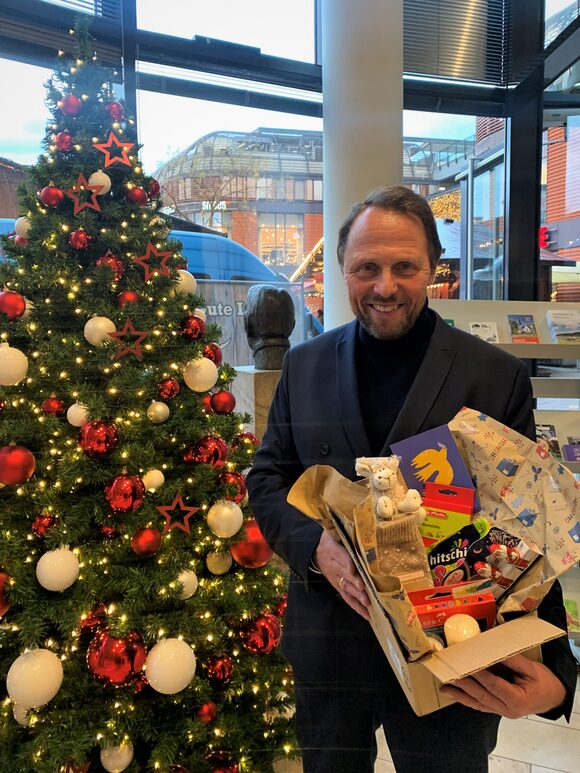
(42, 524)
(95, 619)
(114, 263)
(222, 762)
(63, 141)
(138, 196)
(12, 304)
(207, 713)
(209, 449)
(230, 767)
(16, 465)
(52, 406)
(125, 493)
(223, 401)
(206, 403)
(168, 388)
(262, 635)
(113, 660)
(109, 532)
(214, 353)
(154, 187)
(80, 239)
(127, 296)
(234, 479)
(146, 542)
(4, 603)
(51, 196)
(253, 551)
(115, 111)
(98, 438)
(20, 241)
(280, 608)
(70, 105)
(192, 327)
(219, 670)
(245, 439)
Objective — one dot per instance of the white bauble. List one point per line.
(117, 758)
(188, 579)
(77, 415)
(13, 365)
(22, 227)
(170, 666)
(102, 179)
(225, 518)
(20, 714)
(187, 283)
(97, 330)
(34, 678)
(57, 569)
(153, 479)
(218, 563)
(200, 375)
(200, 313)
(458, 628)
(158, 412)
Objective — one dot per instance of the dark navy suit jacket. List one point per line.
(315, 418)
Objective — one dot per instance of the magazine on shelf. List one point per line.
(487, 331)
(564, 325)
(523, 329)
(547, 438)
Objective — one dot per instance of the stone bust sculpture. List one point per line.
(269, 321)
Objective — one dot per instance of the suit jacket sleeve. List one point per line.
(556, 655)
(290, 533)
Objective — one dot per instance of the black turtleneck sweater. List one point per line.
(385, 371)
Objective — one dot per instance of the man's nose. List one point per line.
(385, 283)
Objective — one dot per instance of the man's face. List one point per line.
(386, 270)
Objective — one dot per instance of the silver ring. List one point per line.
(341, 583)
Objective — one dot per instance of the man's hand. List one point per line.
(526, 688)
(336, 565)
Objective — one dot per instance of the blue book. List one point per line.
(433, 456)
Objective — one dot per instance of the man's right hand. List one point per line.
(337, 566)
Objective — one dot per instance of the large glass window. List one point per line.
(488, 223)
(558, 15)
(280, 241)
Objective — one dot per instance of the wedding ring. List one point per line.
(341, 583)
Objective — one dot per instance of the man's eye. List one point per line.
(406, 268)
(366, 269)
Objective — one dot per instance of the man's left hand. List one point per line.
(528, 688)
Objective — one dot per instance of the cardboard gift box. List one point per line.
(536, 499)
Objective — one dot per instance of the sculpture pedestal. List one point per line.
(254, 390)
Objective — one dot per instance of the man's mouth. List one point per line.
(385, 307)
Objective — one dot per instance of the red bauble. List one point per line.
(109, 532)
(125, 493)
(80, 239)
(280, 609)
(207, 713)
(245, 439)
(209, 449)
(253, 551)
(138, 196)
(70, 105)
(127, 296)
(52, 406)
(12, 304)
(114, 263)
(206, 403)
(223, 402)
(154, 187)
(228, 767)
(192, 327)
(4, 603)
(213, 352)
(222, 762)
(178, 769)
(42, 524)
(115, 111)
(146, 542)
(20, 241)
(219, 670)
(63, 141)
(262, 635)
(51, 196)
(116, 661)
(98, 438)
(16, 465)
(95, 619)
(235, 479)
(168, 388)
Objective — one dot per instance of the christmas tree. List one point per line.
(139, 615)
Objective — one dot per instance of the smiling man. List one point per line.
(397, 370)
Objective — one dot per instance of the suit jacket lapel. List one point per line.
(348, 396)
(426, 387)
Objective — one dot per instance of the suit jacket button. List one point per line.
(324, 449)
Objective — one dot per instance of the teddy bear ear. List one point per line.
(363, 468)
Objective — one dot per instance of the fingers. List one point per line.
(470, 692)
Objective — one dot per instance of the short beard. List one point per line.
(391, 335)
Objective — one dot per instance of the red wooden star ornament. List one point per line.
(135, 348)
(186, 513)
(74, 193)
(107, 147)
(143, 260)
